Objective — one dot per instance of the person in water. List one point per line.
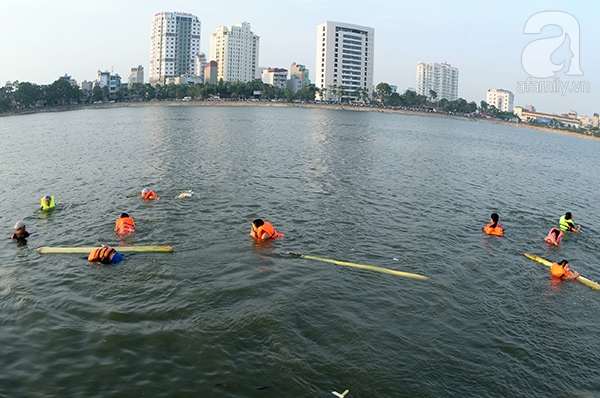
(47, 203)
(494, 227)
(124, 224)
(20, 232)
(105, 255)
(262, 230)
(554, 236)
(566, 223)
(562, 270)
(148, 194)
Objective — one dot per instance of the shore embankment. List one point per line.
(290, 105)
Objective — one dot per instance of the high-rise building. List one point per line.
(136, 76)
(175, 41)
(235, 49)
(441, 78)
(344, 66)
(503, 100)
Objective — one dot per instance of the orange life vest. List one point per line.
(557, 270)
(497, 230)
(268, 229)
(124, 225)
(101, 255)
(149, 195)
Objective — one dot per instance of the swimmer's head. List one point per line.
(124, 215)
(19, 225)
(145, 191)
(47, 198)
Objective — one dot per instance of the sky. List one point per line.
(44, 39)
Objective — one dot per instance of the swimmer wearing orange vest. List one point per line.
(105, 255)
(148, 194)
(562, 270)
(494, 227)
(124, 225)
(262, 230)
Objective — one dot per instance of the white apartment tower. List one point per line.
(235, 49)
(441, 78)
(344, 59)
(503, 100)
(175, 41)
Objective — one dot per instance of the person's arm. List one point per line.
(572, 275)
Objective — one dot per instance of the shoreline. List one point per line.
(291, 105)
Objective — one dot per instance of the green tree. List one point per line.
(28, 94)
(383, 92)
(96, 93)
(484, 106)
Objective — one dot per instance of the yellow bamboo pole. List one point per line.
(363, 266)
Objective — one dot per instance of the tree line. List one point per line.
(19, 95)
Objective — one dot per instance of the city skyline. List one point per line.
(486, 42)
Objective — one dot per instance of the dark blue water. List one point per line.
(223, 317)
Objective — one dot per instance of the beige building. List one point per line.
(235, 49)
(503, 100)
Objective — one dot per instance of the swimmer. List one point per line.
(47, 203)
(20, 233)
(494, 227)
(148, 194)
(566, 223)
(262, 230)
(105, 255)
(124, 224)
(554, 236)
(562, 270)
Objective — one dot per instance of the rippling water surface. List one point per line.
(223, 317)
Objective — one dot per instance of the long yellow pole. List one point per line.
(363, 266)
(52, 250)
(582, 279)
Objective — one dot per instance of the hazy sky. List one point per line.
(44, 39)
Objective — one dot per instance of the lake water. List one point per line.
(223, 317)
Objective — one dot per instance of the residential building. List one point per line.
(276, 77)
(114, 84)
(294, 84)
(235, 48)
(441, 78)
(301, 72)
(200, 65)
(210, 72)
(68, 78)
(344, 66)
(503, 100)
(136, 76)
(175, 41)
(85, 85)
(103, 78)
(529, 108)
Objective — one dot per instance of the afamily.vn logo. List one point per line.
(547, 57)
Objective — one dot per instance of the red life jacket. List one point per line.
(124, 225)
(101, 255)
(149, 195)
(497, 230)
(269, 230)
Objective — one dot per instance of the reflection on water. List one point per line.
(222, 316)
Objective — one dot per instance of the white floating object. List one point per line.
(186, 194)
(342, 395)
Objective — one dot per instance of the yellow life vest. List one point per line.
(46, 207)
